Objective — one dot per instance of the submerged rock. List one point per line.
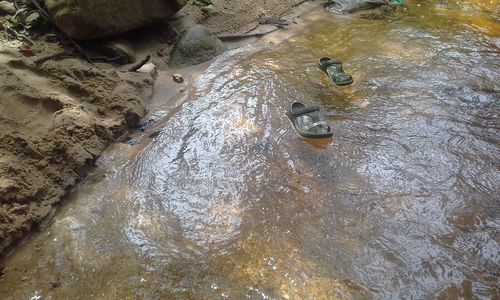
(196, 45)
(81, 19)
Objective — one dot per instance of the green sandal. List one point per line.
(333, 68)
(306, 121)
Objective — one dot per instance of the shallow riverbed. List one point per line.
(227, 201)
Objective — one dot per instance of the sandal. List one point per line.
(333, 68)
(306, 121)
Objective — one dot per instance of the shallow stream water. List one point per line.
(225, 200)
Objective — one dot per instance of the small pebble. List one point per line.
(28, 52)
(178, 78)
(149, 68)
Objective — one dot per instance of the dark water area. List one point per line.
(228, 202)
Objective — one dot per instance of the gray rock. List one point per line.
(7, 8)
(84, 19)
(196, 45)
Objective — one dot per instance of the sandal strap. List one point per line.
(336, 71)
(341, 75)
(330, 63)
(305, 110)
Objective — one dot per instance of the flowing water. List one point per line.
(227, 201)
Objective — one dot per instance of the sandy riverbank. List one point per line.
(55, 121)
(56, 118)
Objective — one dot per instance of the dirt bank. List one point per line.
(56, 118)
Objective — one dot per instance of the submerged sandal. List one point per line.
(306, 121)
(333, 68)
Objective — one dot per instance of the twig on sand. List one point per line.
(139, 64)
(56, 56)
(63, 55)
(80, 49)
(106, 58)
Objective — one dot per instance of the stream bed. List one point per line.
(225, 200)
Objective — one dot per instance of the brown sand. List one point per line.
(55, 120)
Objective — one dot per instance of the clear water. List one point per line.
(227, 201)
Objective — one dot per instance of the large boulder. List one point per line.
(196, 45)
(90, 19)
